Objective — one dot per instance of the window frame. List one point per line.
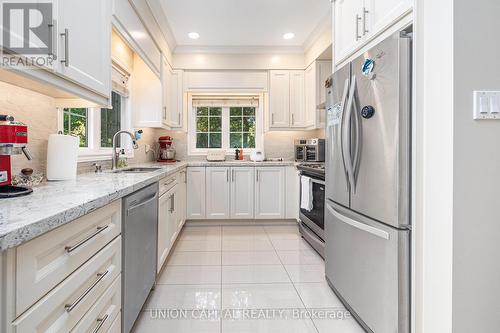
(259, 125)
(94, 151)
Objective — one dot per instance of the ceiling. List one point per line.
(243, 23)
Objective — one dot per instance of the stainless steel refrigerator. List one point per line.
(368, 178)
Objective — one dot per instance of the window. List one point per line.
(76, 123)
(242, 127)
(208, 127)
(226, 122)
(96, 127)
(111, 121)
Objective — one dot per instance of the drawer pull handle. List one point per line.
(170, 182)
(70, 249)
(100, 322)
(71, 307)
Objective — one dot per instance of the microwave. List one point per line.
(310, 150)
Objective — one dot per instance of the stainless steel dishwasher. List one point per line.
(139, 243)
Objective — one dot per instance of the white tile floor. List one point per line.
(243, 279)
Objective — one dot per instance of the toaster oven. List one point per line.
(310, 150)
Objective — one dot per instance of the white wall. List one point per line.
(476, 228)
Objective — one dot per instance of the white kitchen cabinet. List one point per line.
(172, 93)
(181, 198)
(146, 96)
(279, 99)
(196, 193)
(84, 54)
(292, 190)
(356, 22)
(242, 192)
(218, 192)
(298, 112)
(167, 226)
(315, 96)
(269, 192)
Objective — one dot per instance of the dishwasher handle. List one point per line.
(141, 204)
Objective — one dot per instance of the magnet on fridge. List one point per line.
(368, 67)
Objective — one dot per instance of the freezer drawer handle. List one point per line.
(358, 225)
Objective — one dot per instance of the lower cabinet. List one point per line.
(196, 193)
(167, 225)
(270, 193)
(236, 193)
(242, 193)
(218, 192)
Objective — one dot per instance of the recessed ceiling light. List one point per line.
(289, 35)
(193, 35)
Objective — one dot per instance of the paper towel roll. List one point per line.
(62, 157)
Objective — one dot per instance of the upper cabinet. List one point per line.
(287, 104)
(315, 76)
(84, 54)
(358, 21)
(173, 96)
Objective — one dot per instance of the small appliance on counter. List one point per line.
(310, 150)
(216, 155)
(257, 156)
(13, 141)
(166, 152)
(62, 157)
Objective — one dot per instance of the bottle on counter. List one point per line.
(122, 160)
(241, 154)
(236, 154)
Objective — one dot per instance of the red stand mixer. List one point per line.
(166, 152)
(13, 141)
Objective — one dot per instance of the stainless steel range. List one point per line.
(312, 204)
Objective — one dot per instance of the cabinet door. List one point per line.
(298, 115)
(279, 99)
(218, 189)
(310, 103)
(181, 198)
(84, 53)
(270, 193)
(166, 80)
(166, 227)
(175, 106)
(379, 14)
(196, 190)
(242, 193)
(348, 24)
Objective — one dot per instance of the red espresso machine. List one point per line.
(13, 141)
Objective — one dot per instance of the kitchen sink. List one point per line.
(136, 170)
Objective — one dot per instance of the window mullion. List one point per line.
(225, 127)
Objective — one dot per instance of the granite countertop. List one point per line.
(53, 204)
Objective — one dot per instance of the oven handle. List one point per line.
(314, 180)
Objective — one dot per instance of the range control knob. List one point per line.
(367, 112)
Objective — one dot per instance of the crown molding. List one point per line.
(162, 22)
(324, 25)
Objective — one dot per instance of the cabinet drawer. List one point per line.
(47, 260)
(116, 326)
(103, 314)
(167, 183)
(63, 307)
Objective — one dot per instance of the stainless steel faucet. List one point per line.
(114, 157)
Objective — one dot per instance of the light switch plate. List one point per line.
(486, 105)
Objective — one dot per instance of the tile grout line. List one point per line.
(291, 280)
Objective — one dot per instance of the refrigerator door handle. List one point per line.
(357, 143)
(358, 225)
(346, 137)
(342, 111)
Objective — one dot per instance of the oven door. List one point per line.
(315, 219)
